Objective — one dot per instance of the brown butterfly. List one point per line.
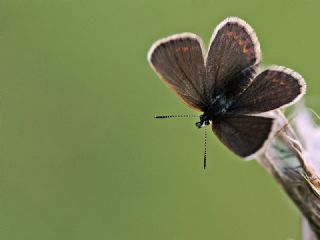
(223, 83)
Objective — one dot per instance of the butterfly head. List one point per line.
(204, 121)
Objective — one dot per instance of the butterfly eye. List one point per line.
(199, 124)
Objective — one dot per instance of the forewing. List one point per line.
(273, 88)
(245, 135)
(234, 47)
(179, 61)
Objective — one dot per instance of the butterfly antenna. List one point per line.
(205, 149)
(175, 116)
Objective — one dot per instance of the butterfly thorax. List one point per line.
(215, 110)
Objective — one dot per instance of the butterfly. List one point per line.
(226, 83)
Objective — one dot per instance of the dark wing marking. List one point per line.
(244, 135)
(179, 61)
(239, 83)
(273, 88)
(234, 47)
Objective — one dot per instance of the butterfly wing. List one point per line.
(273, 88)
(233, 57)
(245, 135)
(179, 61)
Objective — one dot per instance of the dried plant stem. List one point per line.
(285, 160)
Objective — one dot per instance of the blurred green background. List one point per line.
(82, 156)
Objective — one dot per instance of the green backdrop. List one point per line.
(82, 156)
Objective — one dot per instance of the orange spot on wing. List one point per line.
(241, 42)
(182, 49)
(230, 34)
